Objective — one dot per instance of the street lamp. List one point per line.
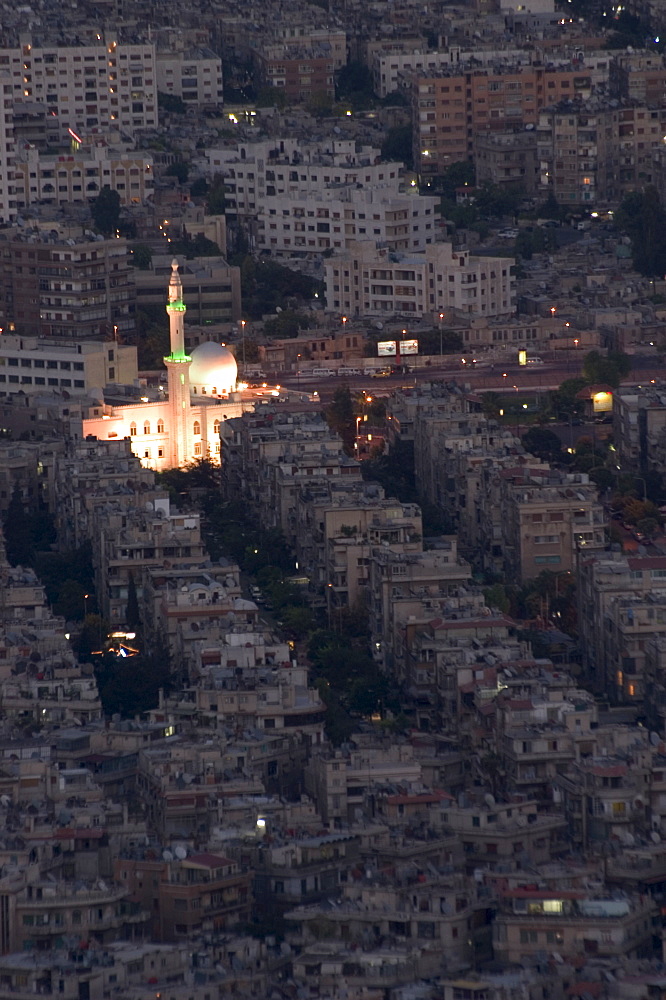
(85, 606)
(298, 371)
(441, 350)
(243, 336)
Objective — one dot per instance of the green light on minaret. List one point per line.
(177, 306)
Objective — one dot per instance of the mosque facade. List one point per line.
(184, 424)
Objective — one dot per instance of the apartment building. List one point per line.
(127, 542)
(507, 159)
(545, 526)
(75, 288)
(77, 178)
(394, 70)
(639, 428)
(596, 151)
(338, 528)
(30, 364)
(201, 893)
(495, 834)
(337, 781)
(620, 609)
(330, 219)
(606, 797)
(89, 87)
(7, 151)
(367, 280)
(289, 167)
(451, 108)
(194, 75)
(211, 288)
(571, 921)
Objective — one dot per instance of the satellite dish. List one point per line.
(629, 840)
(5, 800)
(180, 852)
(489, 799)
(655, 739)
(656, 838)
(167, 856)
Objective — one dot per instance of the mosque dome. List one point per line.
(213, 371)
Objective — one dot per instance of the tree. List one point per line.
(340, 417)
(610, 369)
(171, 103)
(216, 202)
(642, 218)
(179, 169)
(491, 404)
(141, 256)
(496, 597)
(459, 174)
(18, 535)
(543, 443)
(106, 210)
(132, 613)
(550, 208)
(398, 145)
(564, 401)
(199, 188)
(287, 323)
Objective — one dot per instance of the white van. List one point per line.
(322, 372)
(349, 371)
(535, 360)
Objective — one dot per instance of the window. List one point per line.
(160, 427)
(197, 427)
(146, 427)
(132, 430)
(216, 427)
(197, 448)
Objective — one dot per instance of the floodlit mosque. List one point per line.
(201, 393)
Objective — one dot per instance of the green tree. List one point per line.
(543, 443)
(141, 256)
(132, 613)
(17, 531)
(180, 170)
(398, 145)
(216, 202)
(642, 218)
(340, 417)
(497, 597)
(491, 404)
(287, 323)
(171, 103)
(550, 208)
(106, 210)
(610, 369)
(199, 188)
(459, 174)
(563, 400)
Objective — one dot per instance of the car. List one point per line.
(382, 373)
(508, 234)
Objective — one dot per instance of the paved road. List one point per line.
(496, 377)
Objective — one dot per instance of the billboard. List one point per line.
(388, 348)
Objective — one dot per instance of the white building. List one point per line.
(194, 75)
(254, 171)
(80, 176)
(183, 424)
(30, 364)
(393, 70)
(367, 281)
(315, 222)
(87, 87)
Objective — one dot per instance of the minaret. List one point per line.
(178, 368)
